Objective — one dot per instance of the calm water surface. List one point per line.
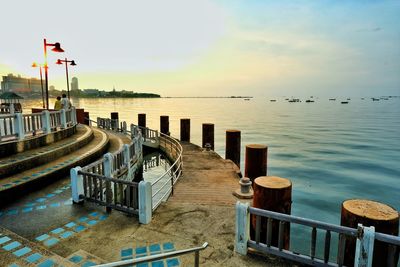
(330, 151)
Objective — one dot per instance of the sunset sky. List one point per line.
(221, 47)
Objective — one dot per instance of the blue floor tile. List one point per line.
(79, 228)
(55, 205)
(172, 262)
(34, 257)
(28, 209)
(70, 224)
(168, 246)
(42, 207)
(155, 249)
(92, 222)
(12, 212)
(42, 237)
(22, 251)
(41, 199)
(84, 218)
(66, 234)
(88, 264)
(51, 242)
(126, 252)
(157, 264)
(57, 231)
(47, 263)
(141, 250)
(94, 214)
(76, 259)
(4, 239)
(103, 217)
(12, 246)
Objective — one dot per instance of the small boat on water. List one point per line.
(375, 99)
(348, 98)
(247, 99)
(362, 98)
(273, 100)
(309, 101)
(294, 100)
(344, 102)
(332, 99)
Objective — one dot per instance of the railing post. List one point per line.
(124, 127)
(127, 160)
(73, 115)
(242, 231)
(145, 202)
(46, 121)
(63, 118)
(364, 246)
(108, 172)
(76, 184)
(19, 125)
(132, 127)
(98, 119)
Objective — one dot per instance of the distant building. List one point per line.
(91, 92)
(18, 84)
(52, 88)
(74, 83)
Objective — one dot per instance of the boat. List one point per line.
(247, 99)
(332, 99)
(344, 102)
(273, 100)
(375, 99)
(309, 101)
(294, 100)
(348, 98)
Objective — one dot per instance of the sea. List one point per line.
(330, 151)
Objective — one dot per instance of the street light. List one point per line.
(35, 65)
(66, 61)
(57, 48)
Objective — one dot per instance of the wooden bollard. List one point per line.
(255, 161)
(185, 130)
(274, 194)
(86, 118)
(142, 120)
(384, 218)
(114, 120)
(232, 146)
(164, 125)
(208, 135)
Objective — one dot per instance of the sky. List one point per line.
(209, 47)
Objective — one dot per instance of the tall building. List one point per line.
(18, 84)
(74, 83)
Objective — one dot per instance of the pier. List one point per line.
(106, 212)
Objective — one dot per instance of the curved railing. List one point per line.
(17, 126)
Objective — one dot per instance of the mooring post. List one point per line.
(275, 194)
(76, 184)
(114, 121)
(384, 218)
(255, 161)
(208, 136)
(142, 120)
(185, 130)
(86, 118)
(232, 146)
(242, 227)
(145, 202)
(164, 124)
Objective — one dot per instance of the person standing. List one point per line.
(57, 104)
(65, 103)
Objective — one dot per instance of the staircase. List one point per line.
(26, 171)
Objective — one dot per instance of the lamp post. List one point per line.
(34, 65)
(66, 61)
(57, 48)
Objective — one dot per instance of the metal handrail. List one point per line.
(162, 256)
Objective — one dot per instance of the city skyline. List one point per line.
(187, 48)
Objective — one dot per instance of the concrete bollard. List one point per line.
(142, 120)
(86, 118)
(232, 146)
(255, 161)
(245, 191)
(185, 130)
(208, 135)
(114, 120)
(384, 218)
(275, 194)
(164, 125)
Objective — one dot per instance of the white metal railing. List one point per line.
(278, 226)
(166, 255)
(16, 126)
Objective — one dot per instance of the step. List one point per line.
(18, 251)
(31, 179)
(35, 157)
(84, 258)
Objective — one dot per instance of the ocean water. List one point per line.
(330, 151)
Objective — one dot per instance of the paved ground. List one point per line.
(201, 210)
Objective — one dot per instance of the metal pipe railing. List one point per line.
(162, 256)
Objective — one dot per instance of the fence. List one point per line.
(108, 181)
(16, 126)
(365, 237)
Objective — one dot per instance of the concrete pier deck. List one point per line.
(201, 210)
